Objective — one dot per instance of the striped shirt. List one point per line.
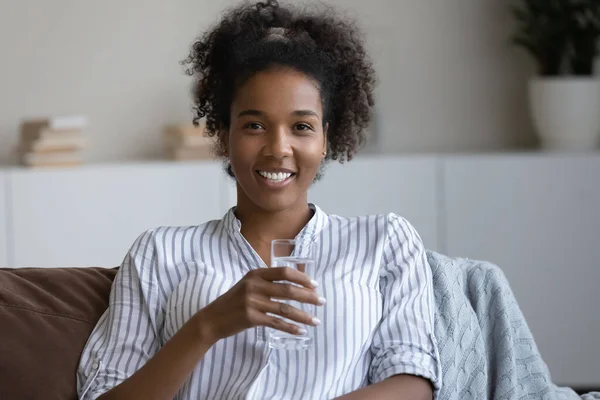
(377, 322)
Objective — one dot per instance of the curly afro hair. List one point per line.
(253, 37)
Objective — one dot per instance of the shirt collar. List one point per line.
(310, 231)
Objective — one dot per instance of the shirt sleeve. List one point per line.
(404, 342)
(125, 337)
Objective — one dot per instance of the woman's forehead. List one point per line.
(280, 90)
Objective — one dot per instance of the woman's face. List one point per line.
(276, 138)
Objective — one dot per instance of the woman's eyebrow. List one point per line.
(305, 113)
(255, 113)
(258, 113)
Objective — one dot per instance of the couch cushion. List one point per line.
(46, 316)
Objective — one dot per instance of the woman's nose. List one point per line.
(278, 143)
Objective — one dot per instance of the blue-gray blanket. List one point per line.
(486, 348)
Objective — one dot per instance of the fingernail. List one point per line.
(316, 321)
(301, 331)
(314, 283)
(322, 300)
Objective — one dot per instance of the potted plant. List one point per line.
(563, 38)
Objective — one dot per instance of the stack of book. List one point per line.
(50, 142)
(186, 142)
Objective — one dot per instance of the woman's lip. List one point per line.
(276, 170)
(275, 185)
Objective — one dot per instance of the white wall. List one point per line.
(448, 79)
(116, 61)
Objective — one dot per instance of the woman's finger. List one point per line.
(287, 274)
(286, 311)
(279, 324)
(286, 291)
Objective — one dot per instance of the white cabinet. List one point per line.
(4, 244)
(91, 215)
(228, 193)
(538, 218)
(374, 185)
(406, 186)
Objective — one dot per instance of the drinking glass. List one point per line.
(300, 256)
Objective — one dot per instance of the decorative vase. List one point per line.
(566, 112)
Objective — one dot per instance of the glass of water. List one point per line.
(300, 256)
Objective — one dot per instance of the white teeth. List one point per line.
(275, 176)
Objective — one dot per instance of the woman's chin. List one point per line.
(274, 202)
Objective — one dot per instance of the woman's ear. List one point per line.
(325, 129)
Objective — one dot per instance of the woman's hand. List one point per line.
(247, 303)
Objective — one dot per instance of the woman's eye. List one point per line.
(253, 126)
(303, 127)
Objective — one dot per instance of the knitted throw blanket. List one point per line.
(486, 348)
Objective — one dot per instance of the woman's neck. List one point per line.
(260, 227)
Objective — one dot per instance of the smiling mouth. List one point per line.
(276, 177)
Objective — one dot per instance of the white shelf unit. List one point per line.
(406, 186)
(90, 216)
(4, 215)
(535, 215)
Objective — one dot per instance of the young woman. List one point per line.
(283, 92)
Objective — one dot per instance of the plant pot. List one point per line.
(566, 112)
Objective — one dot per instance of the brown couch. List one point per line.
(46, 316)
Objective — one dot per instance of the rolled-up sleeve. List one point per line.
(125, 337)
(404, 342)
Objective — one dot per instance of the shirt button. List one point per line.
(95, 365)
